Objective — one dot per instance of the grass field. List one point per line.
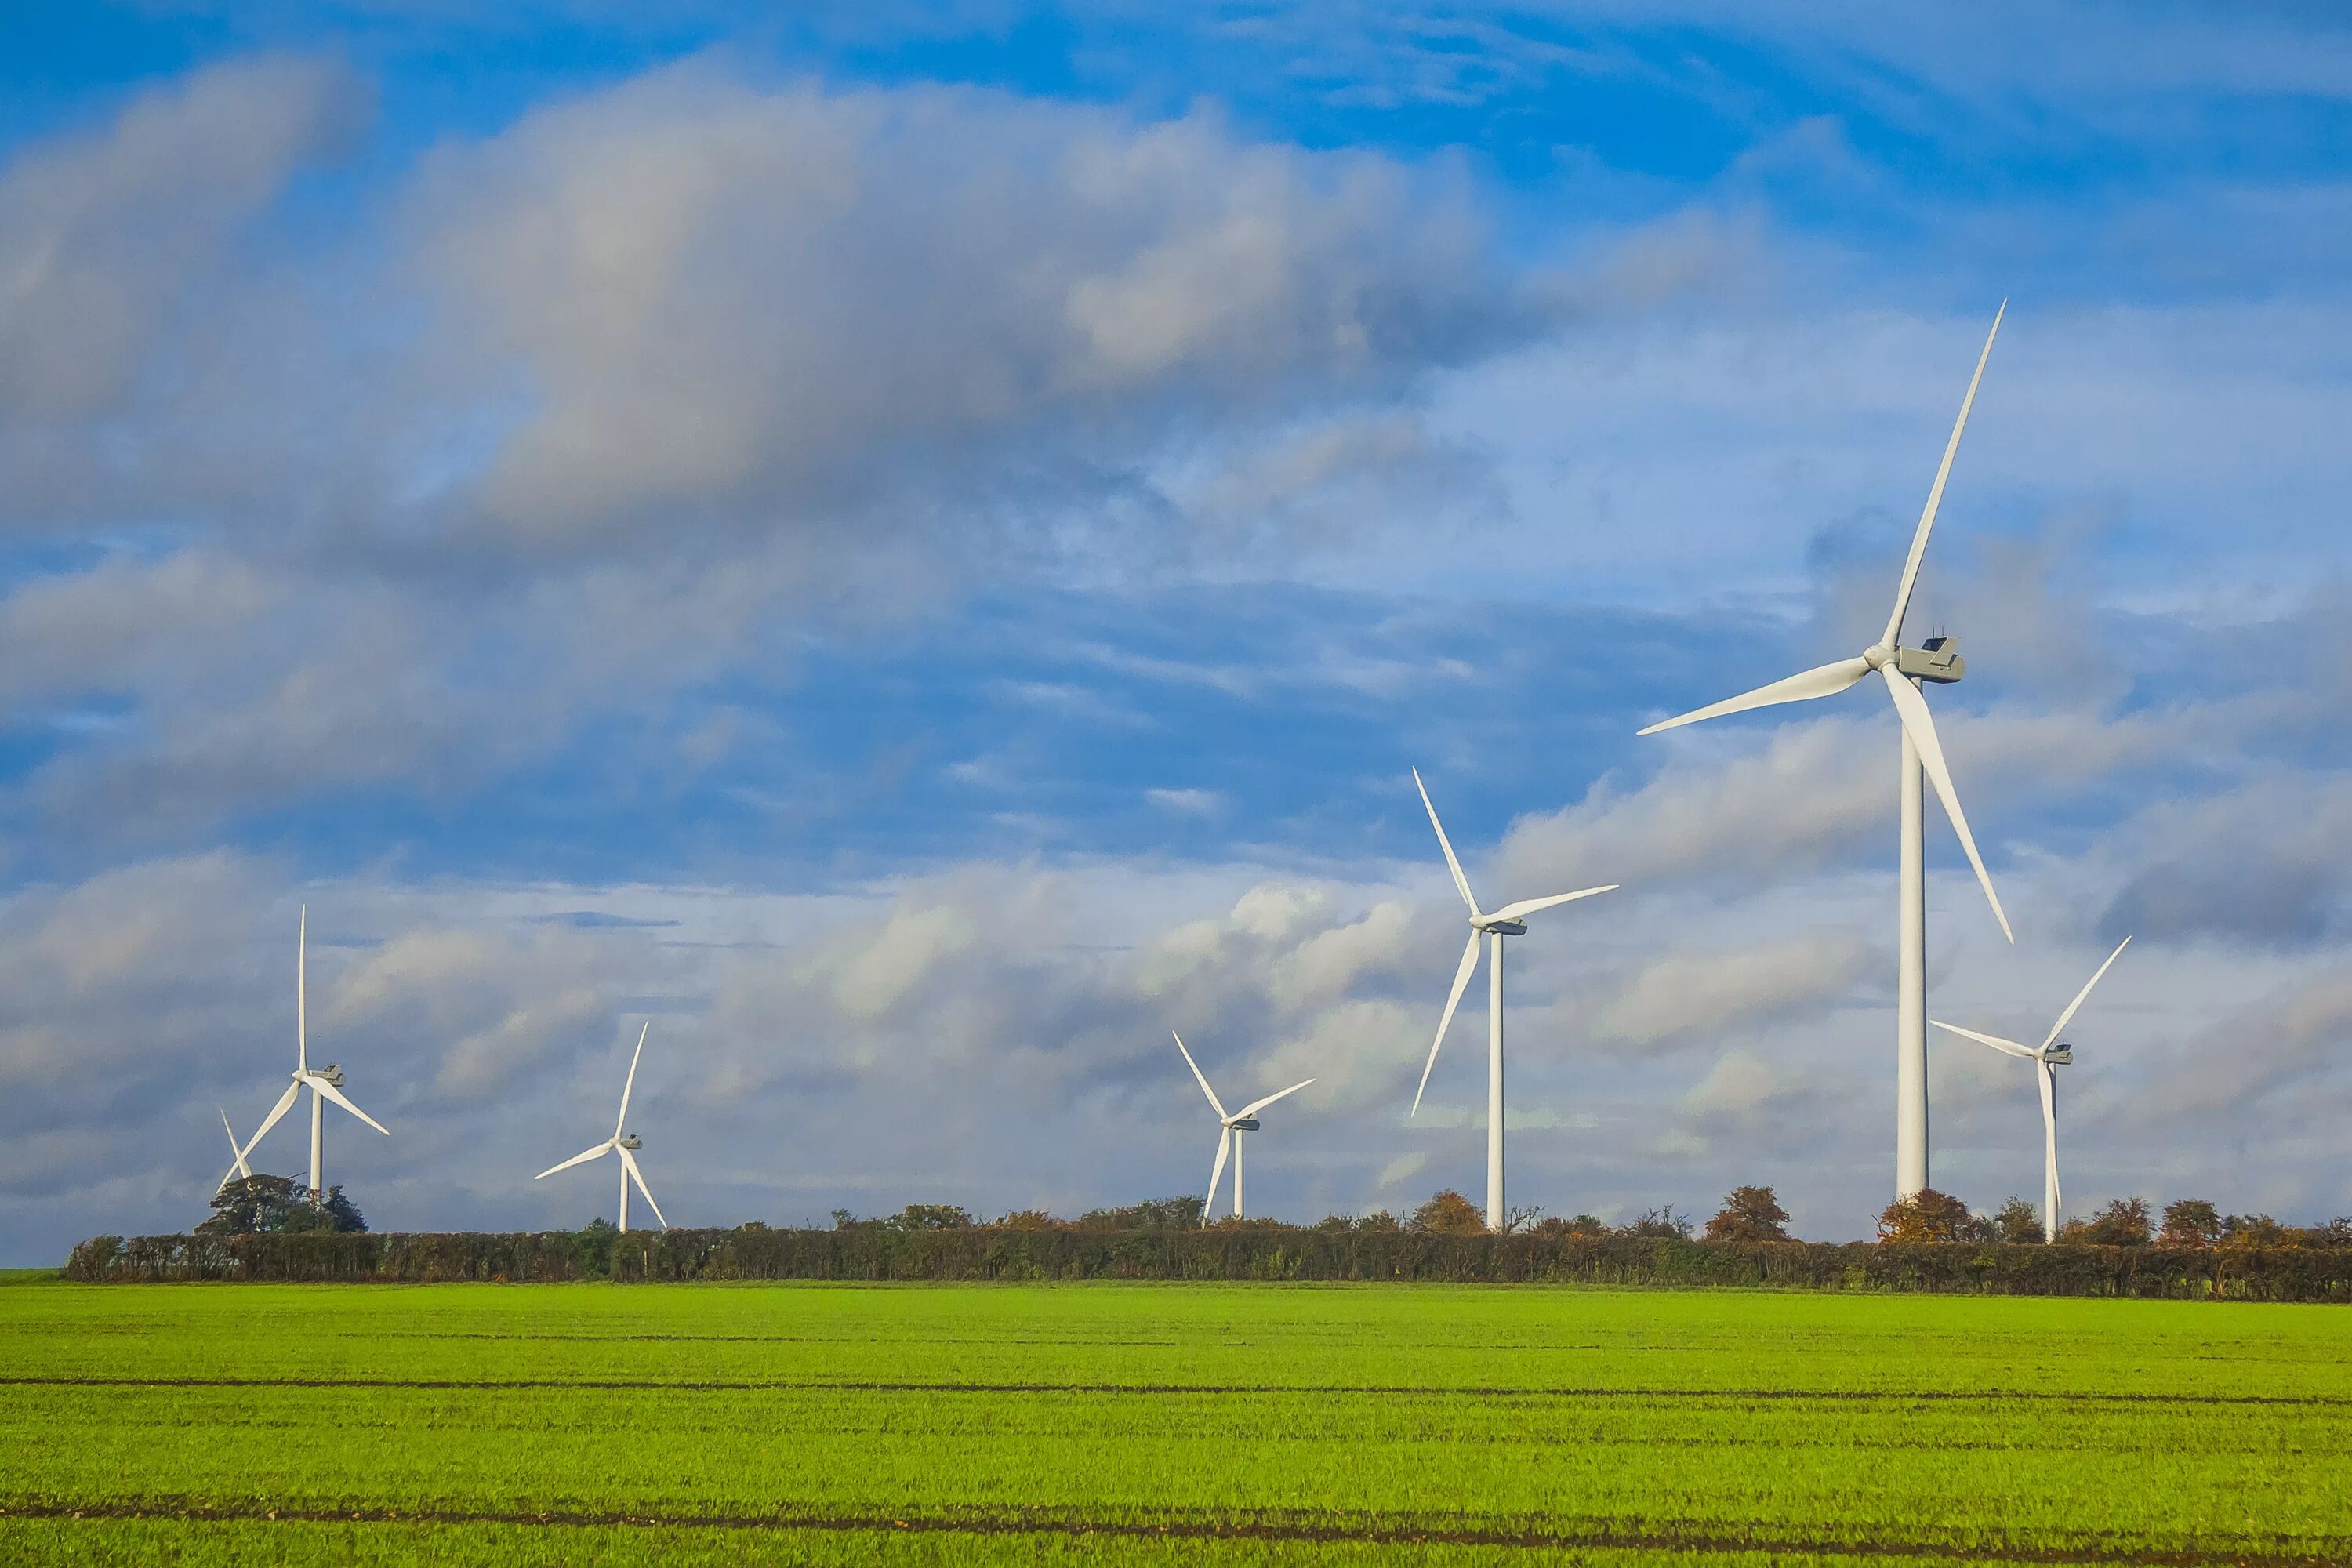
(1161, 1423)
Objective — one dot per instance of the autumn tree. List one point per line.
(1750, 1214)
(2017, 1222)
(2123, 1222)
(1448, 1213)
(1926, 1215)
(2189, 1222)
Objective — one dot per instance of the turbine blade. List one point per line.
(331, 1092)
(581, 1158)
(629, 1164)
(632, 1080)
(2068, 1016)
(1199, 1077)
(1461, 882)
(236, 1150)
(302, 990)
(1525, 906)
(1254, 1106)
(1452, 999)
(1821, 680)
(2007, 1047)
(1216, 1171)
(285, 1103)
(2048, 1076)
(1936, 491)
(1920, 725)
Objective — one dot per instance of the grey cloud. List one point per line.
(1692, 995)
(106, 236)
(2267, 863)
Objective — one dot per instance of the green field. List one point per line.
(1165, 1423)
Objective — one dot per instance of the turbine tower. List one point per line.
(1229, 1131)
(324, 1084)
(624, 1143)
(1936, 660)
(2051, 1055)
(1508, 921)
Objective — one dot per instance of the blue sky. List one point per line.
(916, 547)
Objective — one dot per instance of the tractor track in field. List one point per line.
(1168, 1390)
(1595, 1535)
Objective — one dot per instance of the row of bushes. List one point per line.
(1247, 1251)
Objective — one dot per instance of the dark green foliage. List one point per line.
(1254, 1250)
(2017, 1222)
(1750, 1214)
(278, 1205)
(930, 1217)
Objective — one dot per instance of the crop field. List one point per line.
(1161, 1423)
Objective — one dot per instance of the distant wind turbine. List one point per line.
(238, 1171)
(1939, 660)
(624, 1143)
(1230, 1129)
(325, 1084)
(2051, 1055)
(1508, 921)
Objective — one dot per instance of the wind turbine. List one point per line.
(1508, 921)
(1229, 1129)
(1937, 659)
(325, 1084)
(2049, 1056)
(238, 1170)
(625, 1144)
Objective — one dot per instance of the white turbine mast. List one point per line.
(238, 1171)
(1937, 659)
(2048, 1057)
(325, 1083)
(1508, 921)
(622, 1143)
(1230, 1129)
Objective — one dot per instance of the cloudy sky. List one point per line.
(914, 548)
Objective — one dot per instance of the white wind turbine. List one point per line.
(238, 1170)
(1229, 1131)
(626, 1144)
(1937, 659)
(1508, 921)
(324, 1084)
(2051, 1055)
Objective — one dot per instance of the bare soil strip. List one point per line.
(1595, 1536)
(1162, 1390)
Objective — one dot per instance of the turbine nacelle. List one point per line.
(2059, 1055)
(1499, 927)
(331, 1075)
(630, 1141)
(1937, 661)
(1244, 1124)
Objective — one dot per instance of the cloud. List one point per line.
(1693, 995)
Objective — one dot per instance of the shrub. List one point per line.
(1379, 1222)
(1584, 1225)
(1659, 1223)
(1926, 1215)
(2252, 1230)
(2017, 1222)
(1152, 1213)
(2191, 1222)
(1750, 1214)
(1448, 1213)
(1030, 1219)
(930, 1217)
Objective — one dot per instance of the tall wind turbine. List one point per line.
(2051, 1055)
(1508, 921)
(238, 1170)
(624, 1143)
(1937, 659)
(326, 1083)
(1229, 1129)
